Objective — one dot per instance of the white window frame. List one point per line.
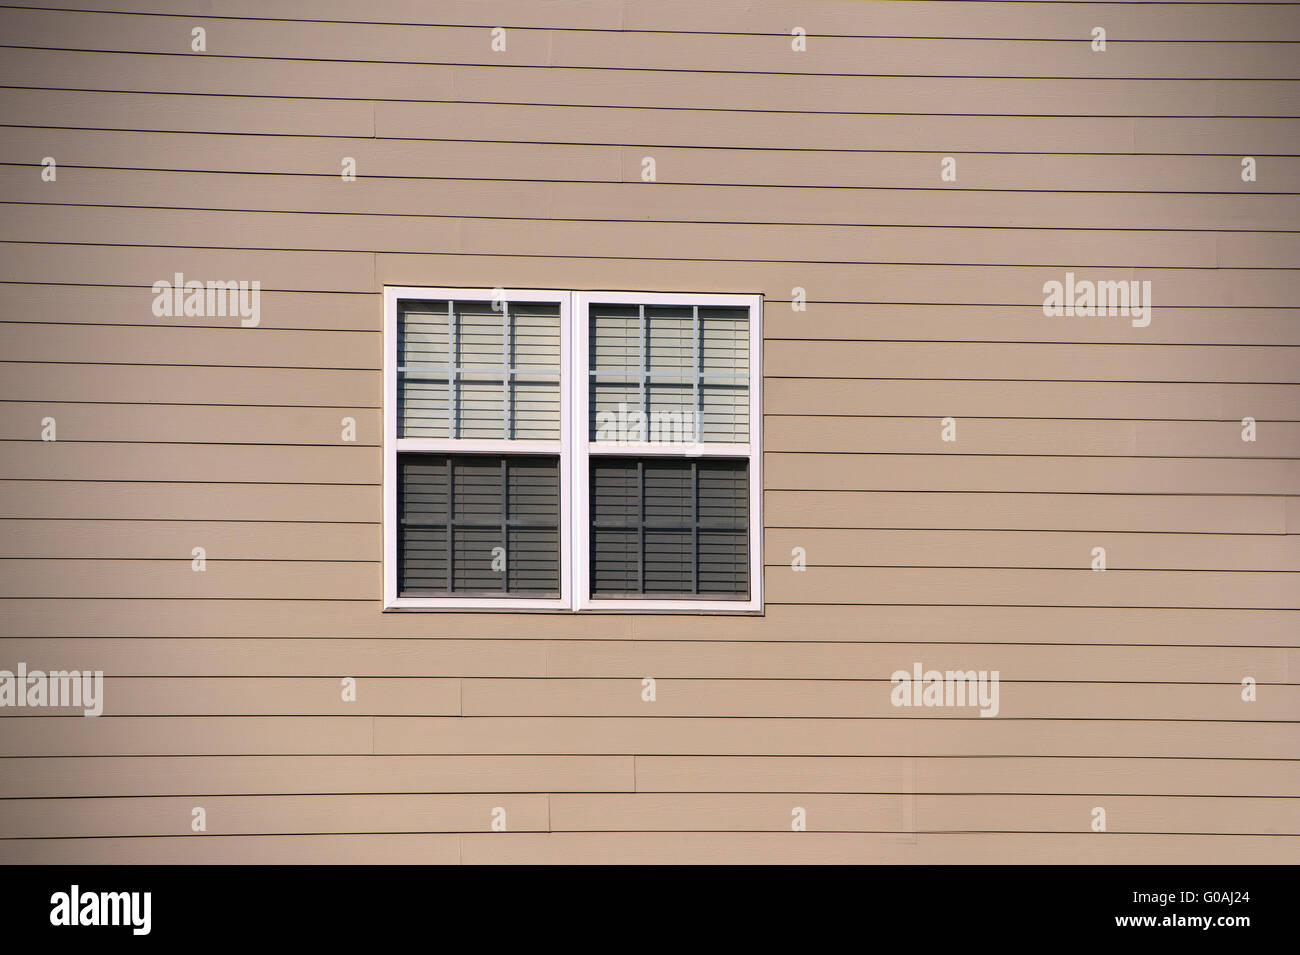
(585, 448)
(574, 450)
(505, 446)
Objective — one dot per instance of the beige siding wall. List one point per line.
(775, 169)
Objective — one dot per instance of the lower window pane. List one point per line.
(478, 525)
(668, 527)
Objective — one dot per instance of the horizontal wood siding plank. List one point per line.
(83, 152)
(633, 659)
(859, 244)
(670, 199)
(43, 777)
(853, 698)
(831, 547)
(731, 52)
(658, 849)
(326, 618)
(1185, 21)
(810, 774)
(271, 815)
(38, 777)
(732, 812)
(740, 736)
(163, 540)
(226, 578)
(182, 72)
(1009, 511)
(370, 849)
(937, 398)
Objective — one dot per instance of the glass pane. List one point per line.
(669, 527)
(490, 347)
(500, 535)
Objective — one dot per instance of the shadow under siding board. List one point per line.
(1209, 401)
(987, 774)
(1202, 514)
(585, 46)
(192, 424)
(795, 737)
(37, 777)
(662, 202)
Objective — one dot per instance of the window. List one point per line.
(572, 450)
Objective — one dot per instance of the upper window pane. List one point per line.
(467, 370)
(669, 374)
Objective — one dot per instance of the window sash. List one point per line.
(394, 446)
(585, 449)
